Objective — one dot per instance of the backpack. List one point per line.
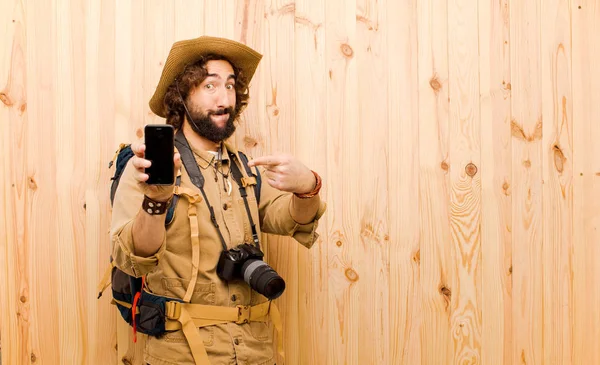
(126, 289)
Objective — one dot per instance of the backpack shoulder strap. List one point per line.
(122, 156)
(244, 160)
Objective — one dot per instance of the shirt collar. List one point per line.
(206, 158)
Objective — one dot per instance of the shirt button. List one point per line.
(225, 206)
(233, 298)
(236, 341)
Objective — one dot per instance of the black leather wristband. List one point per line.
(154, 207)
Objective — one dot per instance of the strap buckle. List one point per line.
(247, 181)
(173, 310)
(190, 195)
(243, 314)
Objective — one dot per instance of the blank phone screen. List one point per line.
(159, 151)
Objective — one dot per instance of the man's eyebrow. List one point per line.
(231, 76)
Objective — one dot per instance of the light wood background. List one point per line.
(458, 140)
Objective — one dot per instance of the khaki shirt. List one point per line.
(170, 269)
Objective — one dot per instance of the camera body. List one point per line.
(245, 262)
(231, 261)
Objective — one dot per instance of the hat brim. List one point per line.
(189, 51)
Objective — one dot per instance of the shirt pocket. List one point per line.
(261, 331)
(177, 337)
(204, 293)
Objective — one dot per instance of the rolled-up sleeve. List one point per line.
(275, 217)
(127, 203)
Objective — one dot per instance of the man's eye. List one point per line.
(209, 86)
(230, 86)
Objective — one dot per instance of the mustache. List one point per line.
(228, 110)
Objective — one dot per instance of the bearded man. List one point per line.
(202, 266)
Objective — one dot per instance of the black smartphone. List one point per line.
(159, 140)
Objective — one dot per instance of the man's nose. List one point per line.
(222, 98)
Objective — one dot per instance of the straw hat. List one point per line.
(189, 51)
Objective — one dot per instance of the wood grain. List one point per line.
(219, 18)
(189, 19)
(14, 264)
(464, 154)
(457, 142)
(249, 29)
(436, 270)
(557, 157)
(373, 249)
(129, 114)
(129, 72)
(41, 226)
(496, 182)
(586, 181)
(403, 183)
(157, 39)
(69, 174)
(527, 211)
(280, 90)
(99, 110)
(343, 215)
(310, 84)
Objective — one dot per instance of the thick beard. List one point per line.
(205, 127)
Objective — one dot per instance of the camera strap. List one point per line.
(239, 179)
(189, 162)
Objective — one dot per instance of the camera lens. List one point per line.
(262, 278)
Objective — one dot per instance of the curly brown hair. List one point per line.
(192, 76)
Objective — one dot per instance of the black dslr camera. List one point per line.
(246, 262)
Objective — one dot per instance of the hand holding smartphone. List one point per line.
(159, 140)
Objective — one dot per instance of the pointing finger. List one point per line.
(267, 161)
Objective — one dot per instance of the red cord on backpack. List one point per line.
(134, 308)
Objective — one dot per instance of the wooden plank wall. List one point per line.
(458, 142)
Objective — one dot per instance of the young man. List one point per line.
(212, 315)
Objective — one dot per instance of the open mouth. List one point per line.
(220, 118)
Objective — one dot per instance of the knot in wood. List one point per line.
(351, 275)
(347, 50)
(445, 291)
(435, 84)
(471, 169)
(5, 99)
(31, 183)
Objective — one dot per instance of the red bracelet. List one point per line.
(315, 190)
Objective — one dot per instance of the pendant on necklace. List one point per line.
(229, 187)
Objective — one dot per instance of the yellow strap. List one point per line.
(173, 325)
(126, 305)
(276, 319)
(105, 282)
(241, 314)
(195, 252)
(207, 315)
(193, 338)
(193, 199)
